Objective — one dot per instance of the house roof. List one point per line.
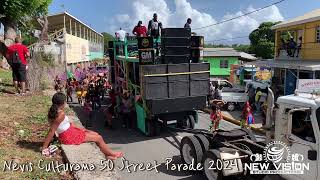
(220, 52)
(56, 22)
(227, 52)
(309, 17)
(289, 64)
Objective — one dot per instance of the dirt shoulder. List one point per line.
(23, 127)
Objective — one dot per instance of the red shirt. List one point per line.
(140, 30)
(22, 52)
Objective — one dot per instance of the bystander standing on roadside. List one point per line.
(251, 94)
(257, 100)
(17, 57)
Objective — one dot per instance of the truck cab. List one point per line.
(297, 124)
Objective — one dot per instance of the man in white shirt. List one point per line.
(121, 35)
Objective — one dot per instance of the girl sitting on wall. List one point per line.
(68, 133)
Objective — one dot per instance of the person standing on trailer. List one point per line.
(187, 25)
(140, 30)
(154, 28)
(121, 35)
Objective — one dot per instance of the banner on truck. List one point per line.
(308, 85)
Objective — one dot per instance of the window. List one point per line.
(302, 126)
(318, 34)
(224, 63)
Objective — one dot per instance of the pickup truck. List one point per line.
(234, 96)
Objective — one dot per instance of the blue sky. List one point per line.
(109, 15)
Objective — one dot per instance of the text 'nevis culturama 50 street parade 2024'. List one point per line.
(160, 89)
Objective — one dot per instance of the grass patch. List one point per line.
(23, 127)
(6, 76)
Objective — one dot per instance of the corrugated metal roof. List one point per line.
(57, 18)
(309, 17)
(289, 64)
(226, 52)
(220, 52)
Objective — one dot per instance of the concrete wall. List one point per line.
(215, 69)
(77, 49)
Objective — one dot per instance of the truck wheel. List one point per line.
(212, 170)
(231, 106)
(190, 150)
(204, 142)
(190, 122)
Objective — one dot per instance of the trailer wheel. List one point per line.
(204, 142)
(190, 149)
(231, 106)
(212, 170)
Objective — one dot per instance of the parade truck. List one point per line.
(291, 149)
(164, 76)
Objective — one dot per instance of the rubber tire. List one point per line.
(195, 148)
(211, 156)
(231, 106)
(204, 142)
(191, 122)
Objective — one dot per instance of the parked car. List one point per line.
(226, 85)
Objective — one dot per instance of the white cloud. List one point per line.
(144, 9)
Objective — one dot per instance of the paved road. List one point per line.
(141, 149)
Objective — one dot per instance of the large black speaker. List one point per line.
(145, 42)
(175, 50)
(110, 44)
(197, 41)
(168, 41)
(175, 59)
(111, 57)
(196, 55)
(176, 32)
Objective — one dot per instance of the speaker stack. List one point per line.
(111, 57)
(197, 44)
(175, 45)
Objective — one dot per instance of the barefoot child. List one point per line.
(68, 133)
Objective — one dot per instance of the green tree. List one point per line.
(16, 13)
(243, 48)
(262, 40)
(107, 37)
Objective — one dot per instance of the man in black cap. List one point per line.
(154, 26)
(188, 23)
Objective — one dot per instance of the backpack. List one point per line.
(15, 59)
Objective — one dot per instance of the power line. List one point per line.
(240, 15)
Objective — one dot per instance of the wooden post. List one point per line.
(75, 29)
(70, 26)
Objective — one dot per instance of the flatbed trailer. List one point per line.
(162, 92)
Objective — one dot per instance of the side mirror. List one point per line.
(312, 155)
